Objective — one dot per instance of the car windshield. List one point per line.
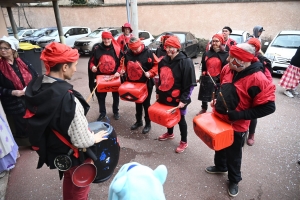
(95, 34)
(287, 41)
(181, 37)
(20, 33)
(237, 38)
(38, 32)
(54, 33)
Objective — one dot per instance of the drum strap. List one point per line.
(66, 142)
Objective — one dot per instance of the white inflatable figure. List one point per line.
(138, 182)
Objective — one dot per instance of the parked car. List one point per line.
(85, 45)
(71, 34)
(145, 36)
(37, 34)
(10, 31)
(189, 43)
(281, 49)
(25, 33)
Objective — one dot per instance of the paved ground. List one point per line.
(269, 168)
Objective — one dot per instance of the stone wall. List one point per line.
(202, 19)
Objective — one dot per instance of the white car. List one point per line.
(144, 36)
(282, 48)
(86, 44)
(25, 33)
(71, 33)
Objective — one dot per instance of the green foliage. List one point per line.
(202, 44)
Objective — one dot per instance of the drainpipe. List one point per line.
(58, 22)
(12, 22)
(128, 11)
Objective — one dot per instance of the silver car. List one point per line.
(85, 45)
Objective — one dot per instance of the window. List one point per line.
(114, 32)
(287, 41)
(81, 31)
(144, 35)
(71, 32)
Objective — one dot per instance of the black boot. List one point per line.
(136, 125)
(147, 128)
(138, 122)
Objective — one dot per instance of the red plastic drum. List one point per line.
(213, 131)
(158, 114)
(108, 83)
(132, 91)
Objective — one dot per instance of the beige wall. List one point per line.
(201, 19)
(3, 30)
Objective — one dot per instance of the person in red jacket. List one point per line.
(123, 39)
(228, 42)
(247, 94)
(105, 60)
(266, 68)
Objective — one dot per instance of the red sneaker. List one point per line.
(182, 146)
(166, 136)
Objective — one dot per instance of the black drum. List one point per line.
(206, 89)
(107, 151)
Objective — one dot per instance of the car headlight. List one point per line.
(86, 43)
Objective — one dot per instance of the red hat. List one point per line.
(220, 37)
(126, 25)
(135, 45)
(255, 42)
(173, 41)
(56, 53)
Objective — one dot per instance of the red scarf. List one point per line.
(11, 75)
(241, 54)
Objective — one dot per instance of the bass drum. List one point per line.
(206, 89)
(107, 151)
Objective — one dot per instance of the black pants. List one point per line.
(252, 126)
(230, 158)
(101, 101)
(17, 125)
(182, 127)
(146, 104)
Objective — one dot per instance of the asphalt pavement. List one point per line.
(269, 168)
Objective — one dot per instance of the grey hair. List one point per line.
(133, 39)
(247, 47)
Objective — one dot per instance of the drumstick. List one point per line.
(141, 67)
(89, 98)
(211, 79)
(98, 64)
(223, 100)
(213, 95)
(172, 109)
